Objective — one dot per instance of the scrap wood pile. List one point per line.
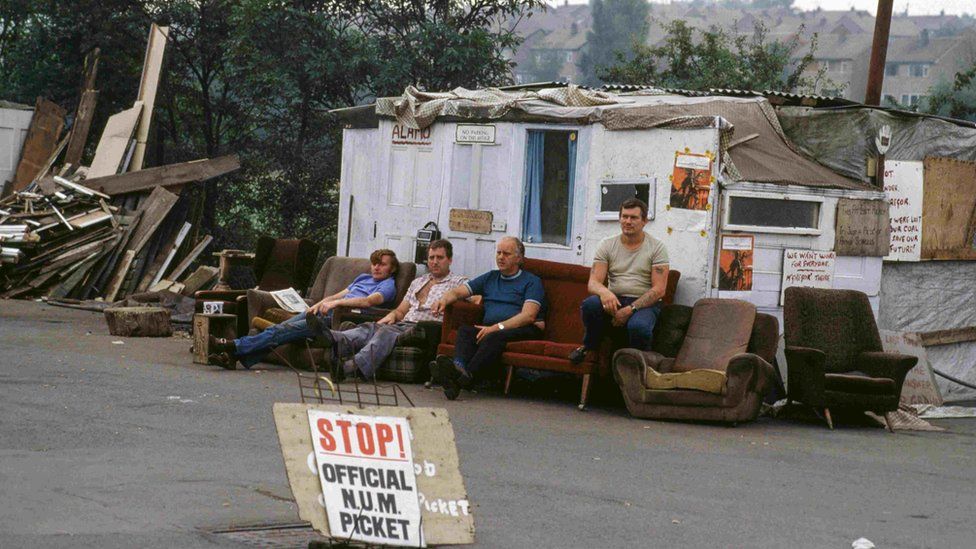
(106, 230)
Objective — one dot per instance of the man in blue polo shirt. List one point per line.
(372, 289)
(514, 303)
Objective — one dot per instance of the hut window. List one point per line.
(781, 214)
(550, 165)
(614, 191)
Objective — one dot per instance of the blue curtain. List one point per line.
(532, 208)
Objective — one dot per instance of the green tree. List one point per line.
(695, 59)
(617, 24)
(255, 77)
(955, 100)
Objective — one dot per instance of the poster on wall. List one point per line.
(735, 263)
(691, 180)
(903, 189)
(807, 268)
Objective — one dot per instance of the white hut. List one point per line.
(552, 165)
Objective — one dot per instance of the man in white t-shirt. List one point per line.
(628, 281)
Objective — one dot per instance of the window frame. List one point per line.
(605, 215)
(572, 195)
(727, 225)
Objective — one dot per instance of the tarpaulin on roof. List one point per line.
(843, 139)
(418, 109)
(759, 149)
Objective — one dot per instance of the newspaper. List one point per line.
(290, 301)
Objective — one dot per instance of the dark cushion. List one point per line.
(856, 383)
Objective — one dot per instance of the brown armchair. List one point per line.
(278, 264)
(335, 275)
(712, 362)
(834, 357)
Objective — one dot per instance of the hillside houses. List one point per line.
(922, 49)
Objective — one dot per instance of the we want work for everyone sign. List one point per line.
(365, 465)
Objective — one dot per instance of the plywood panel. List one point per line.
(114, 142)
(949, 209)
(42, 139)
(151, 67)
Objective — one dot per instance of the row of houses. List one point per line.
(922, 51)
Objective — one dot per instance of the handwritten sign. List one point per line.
(919, 386)
(470, 221)
(447, 516)
(903, 189)
(863, 228)
(807, 268)
(474, 134)
(403, 135)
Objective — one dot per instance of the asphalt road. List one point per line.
(133, 445)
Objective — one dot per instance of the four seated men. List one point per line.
(628, 281)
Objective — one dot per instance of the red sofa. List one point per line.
(565, 287)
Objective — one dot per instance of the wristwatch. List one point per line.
(501, 326)
(633, 309)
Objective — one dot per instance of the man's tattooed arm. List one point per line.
(659, 284)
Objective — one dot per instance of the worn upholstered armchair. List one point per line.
(712, 362)
(278, 264)
(834, 357)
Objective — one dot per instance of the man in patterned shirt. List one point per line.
(372, 342)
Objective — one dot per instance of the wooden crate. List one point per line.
(205, 325)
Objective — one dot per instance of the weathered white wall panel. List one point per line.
(650, 153)
(854, 273)
(358, 179)
(13, 130)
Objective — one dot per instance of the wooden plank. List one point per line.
(196, 251)
(163, 258)
(114, 141)
(165, 176)
(42, 138)
(81, 127)
(200, 278)
(154, 210)
(949, 209)
(151, 67)
(100, 282)
(119, 277)
(946, 337)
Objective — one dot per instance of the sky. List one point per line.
(915, 7)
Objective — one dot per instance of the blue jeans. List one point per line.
(252, 349)
(369, 343)
(640, 325)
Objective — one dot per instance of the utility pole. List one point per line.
(879, 50)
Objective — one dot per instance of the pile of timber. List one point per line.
(69, 241)
(109, 229)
